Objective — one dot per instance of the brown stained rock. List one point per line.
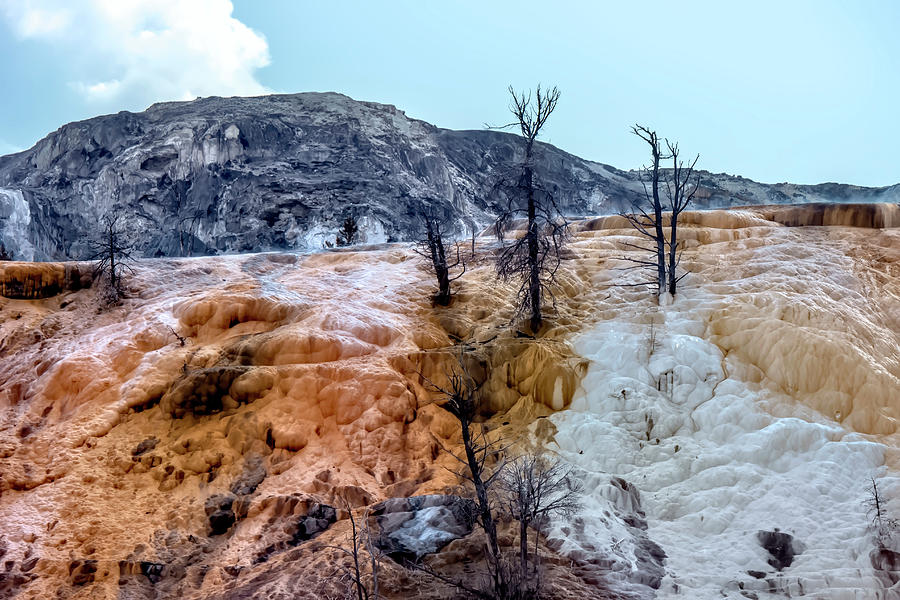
(253, 474)
(366, 423)
(354, 495)
(82, 571)
(34, 281)
(29, 564)
(145, 446)
(205, 392)
(818, 214)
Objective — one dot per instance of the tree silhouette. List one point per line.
(680, 187)
(436, 250)
(111, 254)
(533, 258)
(349, 231)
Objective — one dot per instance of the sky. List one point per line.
(789, 90)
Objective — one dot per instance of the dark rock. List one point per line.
(756, 574)
(318, 519)
(82, 571)
(886, 563)
(11, 584)
(29, 564)
(218, 502)
(145, 446)
(301, 518)
(221, 521)
(153, 571)
(204, 392)
(782, 547)
(410, 528)
(253, 474)
(218, 510)
(283, 171)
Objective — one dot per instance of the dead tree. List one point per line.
(533, 258)
(348, 233)
(361, 584)
(876, 510)
(461, 399)
(111, 254)
(681, 191)
(664, 256)
(535, 487)
(186, 238)
(650, 224)
(435, 250)
(187, 223)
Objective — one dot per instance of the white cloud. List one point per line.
(36, 21)
(131, 53)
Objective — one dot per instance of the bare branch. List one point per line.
(111, 254)
(434, 249)
(534, 487)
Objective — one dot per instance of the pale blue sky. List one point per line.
(776, 91)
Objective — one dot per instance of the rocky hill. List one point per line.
(282, 172)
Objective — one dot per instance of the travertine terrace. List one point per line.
(763, 398)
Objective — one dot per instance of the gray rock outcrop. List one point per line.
(282, 172)
(781, 546)
(410, 528)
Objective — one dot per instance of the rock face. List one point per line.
(782, 548)
(34, 281)
(887, 565)
(410, 528)
(208, 437)
(282, 172)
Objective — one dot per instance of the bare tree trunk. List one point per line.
(433, 248)
(112, 259)
(681, 193)
(534, 488)
(523, 548)
(657, 222)
(534, 284)
(358, 576)
(532, 259)
(673, 247)
(649, 224)
(111, 255)
(443, 297)
(487, 519)
(442, 272)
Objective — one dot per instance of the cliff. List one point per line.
(223, 175)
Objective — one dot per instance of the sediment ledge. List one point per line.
(873, 216)
(33, 281)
